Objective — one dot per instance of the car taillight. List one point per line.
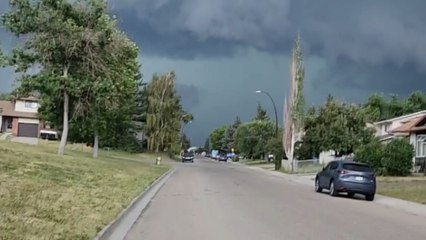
(342, 172)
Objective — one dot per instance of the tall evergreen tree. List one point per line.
(207, 145)
(229, 135)
(261, 113)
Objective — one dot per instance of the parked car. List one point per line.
(347, 176)
(271, 157)
(222, 158)
(188, 156)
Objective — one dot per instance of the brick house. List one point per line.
(20, 117)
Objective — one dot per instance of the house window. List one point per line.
(421, 146)
(29, 104)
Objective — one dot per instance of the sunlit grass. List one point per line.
(45, 196)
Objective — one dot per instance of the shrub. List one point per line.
(372, 154)
(397, 157)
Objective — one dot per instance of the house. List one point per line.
(411, 126)
(385, 128)
(19, 118)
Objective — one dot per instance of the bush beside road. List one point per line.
(46, 196)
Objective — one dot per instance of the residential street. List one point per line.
(211, 200)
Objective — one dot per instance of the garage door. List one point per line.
(27, 130)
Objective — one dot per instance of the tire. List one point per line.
(332, 189)
(351, 195)
(369, 197)
(317, 186)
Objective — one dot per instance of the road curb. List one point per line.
(121, 225)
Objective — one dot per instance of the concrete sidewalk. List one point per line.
(309, 180)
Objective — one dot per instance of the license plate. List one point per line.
(359, 178)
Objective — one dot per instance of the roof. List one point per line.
(30, 98)
(8, 110)
(420, 113)
(413, 125)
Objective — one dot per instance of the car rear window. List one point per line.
(357, 167)
(188, 154)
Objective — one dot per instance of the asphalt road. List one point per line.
(210, 200)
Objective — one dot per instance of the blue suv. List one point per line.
(347, 176)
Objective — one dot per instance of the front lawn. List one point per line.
(45, 196)
(407, 188)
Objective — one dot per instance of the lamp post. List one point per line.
(275, 109)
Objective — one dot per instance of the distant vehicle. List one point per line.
(347, 176)
(188, 156)
(208, 155)
(48, 134)
(271, 157)
(222, 158)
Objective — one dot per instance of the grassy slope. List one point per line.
(44, 196)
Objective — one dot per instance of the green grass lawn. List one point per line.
(46, 196)
(407, 188)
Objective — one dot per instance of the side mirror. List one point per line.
(323, 168)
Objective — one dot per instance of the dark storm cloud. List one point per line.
(189, 28)
(189, 95)
(368, 46)
(373, 32)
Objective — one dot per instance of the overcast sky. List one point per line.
(225, 50)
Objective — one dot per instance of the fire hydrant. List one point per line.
(158, 161)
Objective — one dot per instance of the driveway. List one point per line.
(211, 200)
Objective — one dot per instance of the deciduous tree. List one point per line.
(251, 138)
(336, 126)
(164, 113)
(68, 41)
(216, 138)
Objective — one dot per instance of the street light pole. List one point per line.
(275, 109)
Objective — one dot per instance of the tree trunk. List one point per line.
(64, 136)
(96, 146)
(291, 157)
(157, 147)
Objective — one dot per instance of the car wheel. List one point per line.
(369, 197)
(317, 186)
(332, 189)
(351, 195)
